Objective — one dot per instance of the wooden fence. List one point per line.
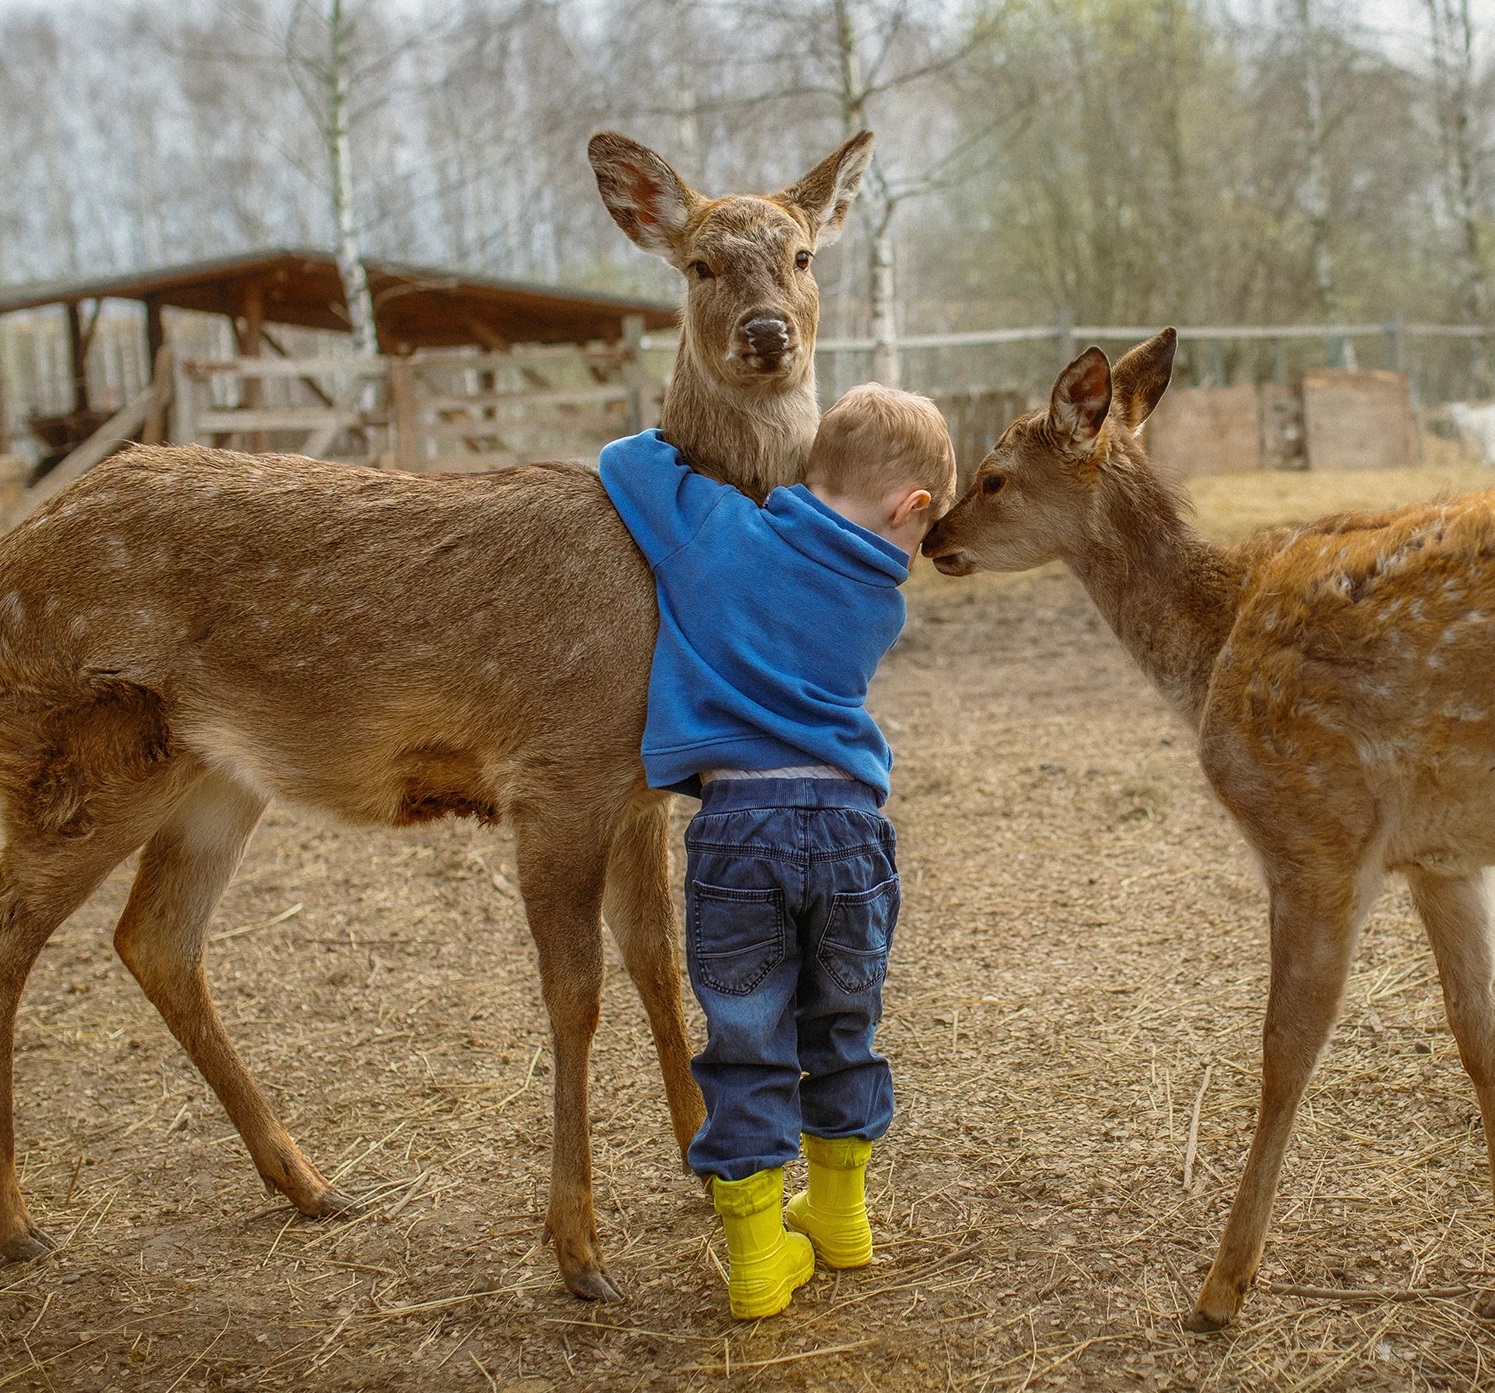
(437, 410)
(977, 419)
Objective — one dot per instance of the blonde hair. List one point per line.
(876, 438)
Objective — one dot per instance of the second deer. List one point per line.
(1341, 677)
(186, 634)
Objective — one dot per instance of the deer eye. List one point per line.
(701, 271)
(992, 484)
(802, 260)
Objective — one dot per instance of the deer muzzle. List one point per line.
(768, 339)
(950, 558)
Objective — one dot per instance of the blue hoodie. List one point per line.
(772, 621)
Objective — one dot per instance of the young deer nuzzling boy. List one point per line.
(1339, 675)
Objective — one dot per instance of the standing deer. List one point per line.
(1339, 675)
(186, 634)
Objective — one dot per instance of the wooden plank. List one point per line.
(116, 431)
(554, 396)
(447, 431)
(282, 418)
(633, 370)
(317, 442)
(404, 418)
(77, 347)
(348, 366)
(184, 407)
(163, 383)
(479, 362)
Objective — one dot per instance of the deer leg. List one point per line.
(640, 911)
(1457, 918)
(183, 871)
(561, 874)
(43, 879)
(1313, 925)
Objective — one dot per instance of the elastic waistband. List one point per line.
(733, 795)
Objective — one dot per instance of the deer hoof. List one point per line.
(330, 1204)
(29, 1243)
(593, 1285)
(1201, 1322)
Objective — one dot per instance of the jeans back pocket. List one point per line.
(737, 935)
(858, 934)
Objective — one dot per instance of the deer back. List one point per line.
(342, 636)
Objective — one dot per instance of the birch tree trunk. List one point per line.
(1316, 193)
(344, 206)
(884, 300)
(1453, 67)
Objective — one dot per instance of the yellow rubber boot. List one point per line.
(833, 1211)
(767, 1262)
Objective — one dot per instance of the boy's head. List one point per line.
(883, 458)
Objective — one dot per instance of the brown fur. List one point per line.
(1338, 675)
(186, 634)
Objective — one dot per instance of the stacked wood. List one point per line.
(1330, 419)
(1358, 420)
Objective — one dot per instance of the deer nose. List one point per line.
(766, 335)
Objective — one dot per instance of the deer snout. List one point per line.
(950, 558)
(768, 337)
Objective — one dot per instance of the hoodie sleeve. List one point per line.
(661, 499)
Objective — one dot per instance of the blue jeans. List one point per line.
(791, 896)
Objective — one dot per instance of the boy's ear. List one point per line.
(914, 501)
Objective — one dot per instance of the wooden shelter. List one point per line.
(474, 371)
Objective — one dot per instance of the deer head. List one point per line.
(741, 403)
(1034, 497)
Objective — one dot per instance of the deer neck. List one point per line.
(756, 441)
(1169, 594)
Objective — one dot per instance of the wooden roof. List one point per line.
(414, 307)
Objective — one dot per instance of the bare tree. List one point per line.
(876, 54)
(323, 71)
(1316, 189)
(1453, 81)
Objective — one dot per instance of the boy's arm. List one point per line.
(663, 501)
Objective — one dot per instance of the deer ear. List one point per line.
(824, 195)
(1080, 401)
(1141, 377)
(647, 199)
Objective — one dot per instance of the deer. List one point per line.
(1338, 677)
(187, 634)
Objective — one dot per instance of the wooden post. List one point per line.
(77, 356)
(404, 416)
(633, 370)
(155, 329)
(184, 407)
(163, 383)
(251, 389)
(1395, 353)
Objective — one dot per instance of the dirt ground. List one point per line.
(1079, 972)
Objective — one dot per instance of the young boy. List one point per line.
(772, 621)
